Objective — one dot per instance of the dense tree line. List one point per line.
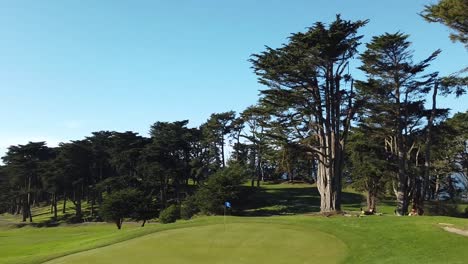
(385, 135)
(125, 175)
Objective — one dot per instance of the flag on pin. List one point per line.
(227, 204)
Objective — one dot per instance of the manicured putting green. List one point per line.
(235, 243)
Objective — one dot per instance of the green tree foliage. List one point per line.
(146, 208)
(393, 98)
(307, 89)
(24, 165)
(369, 164)
(188, 208)
(52, 181)
(450, 155)
(6, 194)
(165, 161)
(170, 214)
(215, 130)
(74, 162)
(300, 128)
(224, 185)
(451, 13)
(255, 120)
(120, 204)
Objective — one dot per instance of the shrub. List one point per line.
(443, 208)
(170, 214)
(188, 208)
(224, 185)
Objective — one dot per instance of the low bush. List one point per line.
(443, 208)
(188, 208)
(170, 214)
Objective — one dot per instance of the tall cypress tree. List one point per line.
(395, 94)
(306, 85)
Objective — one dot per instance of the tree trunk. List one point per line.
(371, 201)
(402, 201)
(222, 151)
(18, 207)
(28, 207)
(143, 224)
(78, 212)
(258, 169)
(77, 203)
(402, 183)
(328, 190)
(93, 201)
(25, 209)
(427, 156)
(64, 209)
(55, 206)
(52, 204)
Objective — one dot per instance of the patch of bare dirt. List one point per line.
(456, 230)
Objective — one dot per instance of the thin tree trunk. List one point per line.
(64, 209)
(93, 201)
(55, 206)
(18, 206)
(29, 200)
(222, 151)
(52, 204)
(427, 158)
(402, 183)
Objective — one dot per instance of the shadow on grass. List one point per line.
(289, 201)
(50, 222)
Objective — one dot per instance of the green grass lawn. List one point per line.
(234, 243)
(373, 239)
(277, 228)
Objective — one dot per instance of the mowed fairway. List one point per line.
(233, 243)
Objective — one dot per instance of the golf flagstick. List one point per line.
(226, 205)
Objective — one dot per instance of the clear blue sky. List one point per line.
(68, 68)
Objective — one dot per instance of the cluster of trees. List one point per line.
(311, 93)
(313, 121)
(123, 174)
